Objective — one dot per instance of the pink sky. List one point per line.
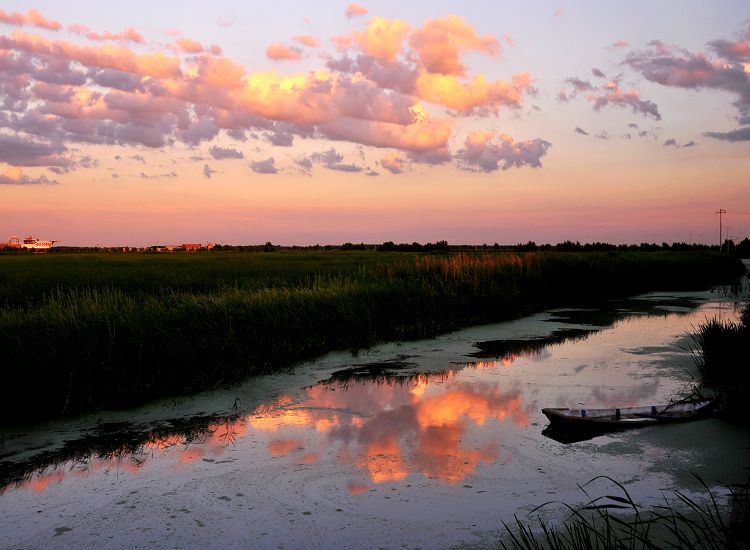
(373, 122)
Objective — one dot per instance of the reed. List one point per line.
(616, 522)
(84, 332)
(722, 349)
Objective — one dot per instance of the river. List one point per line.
(424, 444)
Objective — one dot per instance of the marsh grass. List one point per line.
(615, 521)
(83, 332)
(722, 349)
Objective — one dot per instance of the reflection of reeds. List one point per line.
(85, 332)
(681, 523)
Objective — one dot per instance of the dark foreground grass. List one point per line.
(616, 522)
(84, 332)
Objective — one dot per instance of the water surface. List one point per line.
(421, 444)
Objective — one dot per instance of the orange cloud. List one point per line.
(383, 38)
(354, 10)
(129, 34)
(440, 42)
(478, 93)
(393, 162)
(105, 56)
(306, 40)
(279, 52)
(31, 17)
(188, 45)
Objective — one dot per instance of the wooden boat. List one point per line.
(604, 420)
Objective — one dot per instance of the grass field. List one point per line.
(81, 332)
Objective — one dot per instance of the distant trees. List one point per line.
(390, 246)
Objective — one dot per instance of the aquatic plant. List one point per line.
(722, 349)
(616, 522)
(84, 332)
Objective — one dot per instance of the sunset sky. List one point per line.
(303, 122)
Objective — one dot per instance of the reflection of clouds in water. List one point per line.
(388, 431)
(629, 397)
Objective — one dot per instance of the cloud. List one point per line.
(478, 96)
(305, 163)
(329, 158)
(355, 10)
(675, 67)
(581, 131)
(138, 158)
(670, 142)
(208, 172)
(579, 85)
(598, 73)
(187, 45)
(280, 52)
(621, 44)
(18, 151)
(393, 162)
(402, 90)
(740, 134)
(128, 35)
(490, 151)
(267, 166)
(689, 144)
(31, 17)
(631, 99)
(306, 40)
(145, 176)
(15, 176)
(221, 153)
(440, 43)
(382, 38)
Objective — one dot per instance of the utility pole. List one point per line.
(720, 211)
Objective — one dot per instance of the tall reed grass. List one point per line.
(79, 333)
(616, 522)
(722, 349)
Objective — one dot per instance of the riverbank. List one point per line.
(84, 332)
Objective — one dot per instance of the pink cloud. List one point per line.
(128, 35)
(106, 56)
(440, 42)
(620, 44)
(15, 176)
(393, 162)
(188, 45)
(306, 40)
(490, 151)
(279, 52)
(355, 10)
(31, 17)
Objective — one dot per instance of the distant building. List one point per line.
(191, 246)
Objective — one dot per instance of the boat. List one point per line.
(605, 420)
(30, 243)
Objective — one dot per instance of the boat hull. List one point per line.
(606, 420)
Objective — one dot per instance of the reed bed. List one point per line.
(722, 349)
(616, 522)
(84, 332)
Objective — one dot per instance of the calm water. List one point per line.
(423, 444)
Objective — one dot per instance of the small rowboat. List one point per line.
(605, 420)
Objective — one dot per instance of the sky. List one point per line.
(322, 122)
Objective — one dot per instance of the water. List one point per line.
(421, 444)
